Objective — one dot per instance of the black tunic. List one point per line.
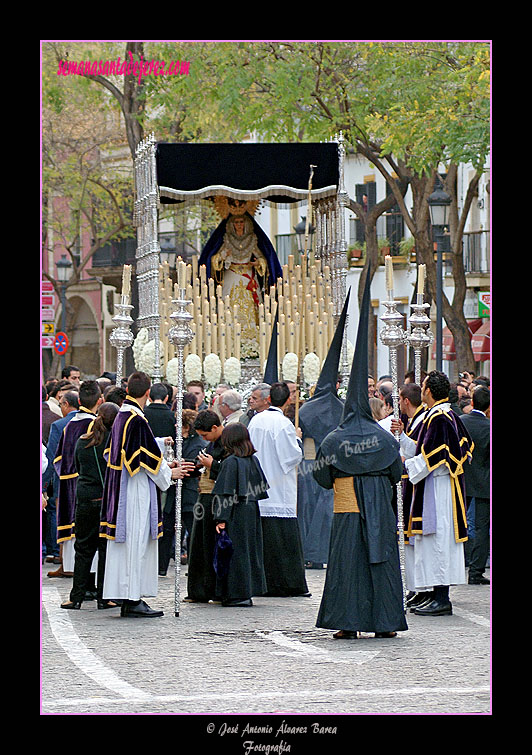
(239, 484)
(363, 588)
(201, 583)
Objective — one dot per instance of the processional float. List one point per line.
(190, 322)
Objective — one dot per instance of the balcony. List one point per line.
(476, 248)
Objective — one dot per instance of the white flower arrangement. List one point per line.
(232, 370)
(212, 369)
(146, 360)
(311, 368)
(171, 371)
(192, 368)
(289, 367)
(138, 344)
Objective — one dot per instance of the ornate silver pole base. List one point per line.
(420, 336)
(121, 337)
(180, 335)
(393, 336)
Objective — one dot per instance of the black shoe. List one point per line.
(102, 604)
(76, 605)
(423, 599)
(162, 573)
(90, 595)
(237, 603)
(139, 610)
(434, 608)
(345, 634)
(478, 581)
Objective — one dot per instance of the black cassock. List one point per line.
(239, 485)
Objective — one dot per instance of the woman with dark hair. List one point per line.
(201, 584)
(90, 466)
(239, 485)
(192, 445)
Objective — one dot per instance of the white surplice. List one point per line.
(438, 558)
(278, 451)
(132, 567)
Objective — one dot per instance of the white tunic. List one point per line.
(132, 567)
(438, 559)
(278, 451)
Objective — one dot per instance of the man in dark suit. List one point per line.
(477, 482)
(69, 405)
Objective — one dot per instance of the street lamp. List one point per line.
(168, 252)
(439, 204)
(300, 230)
(64, 268)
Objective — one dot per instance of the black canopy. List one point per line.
(277, 172)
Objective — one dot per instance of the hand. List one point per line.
(169, 441)
(396, 426)
(299, 432)
(44, 501)
(205, 459)
(182, 469)
(220, 526)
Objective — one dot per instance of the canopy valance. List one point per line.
(274, 172)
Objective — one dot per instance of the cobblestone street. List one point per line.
(269, 659)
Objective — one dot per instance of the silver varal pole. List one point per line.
(180, 335)
(420, 335)
(121, 337)
(393, 336)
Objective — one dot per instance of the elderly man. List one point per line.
(230, 407)
(258, 401)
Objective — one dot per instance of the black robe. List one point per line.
(363, 587)
(201, 585)
(239, 484)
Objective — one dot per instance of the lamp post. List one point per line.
(64, 267)
(439, 203)
(168, 251)
(300, 230)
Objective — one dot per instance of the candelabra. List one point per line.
(393, 336)
(420, 336)
(121, 337)
(180, 335)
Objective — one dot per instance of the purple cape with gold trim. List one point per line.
(132, 447)
(443, 439)
(64, 465)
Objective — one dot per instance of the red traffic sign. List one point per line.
(60, 343)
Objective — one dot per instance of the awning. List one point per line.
(481, 342)
(277, 172)
(448, 347)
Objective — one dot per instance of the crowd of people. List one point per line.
(265, 496)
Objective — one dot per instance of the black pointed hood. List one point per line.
(323, 411)
(271, 370)
(359, 445)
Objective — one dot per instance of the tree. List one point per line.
(412, 109)
(86, 203)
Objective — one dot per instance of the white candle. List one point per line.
(389, 272)
(181, 279)
(126, 280)
(421, 279)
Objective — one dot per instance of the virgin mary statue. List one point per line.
(240, 257)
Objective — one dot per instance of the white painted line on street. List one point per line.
(80, 655)
(472, 617)
(317, 654)
(275, 694)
